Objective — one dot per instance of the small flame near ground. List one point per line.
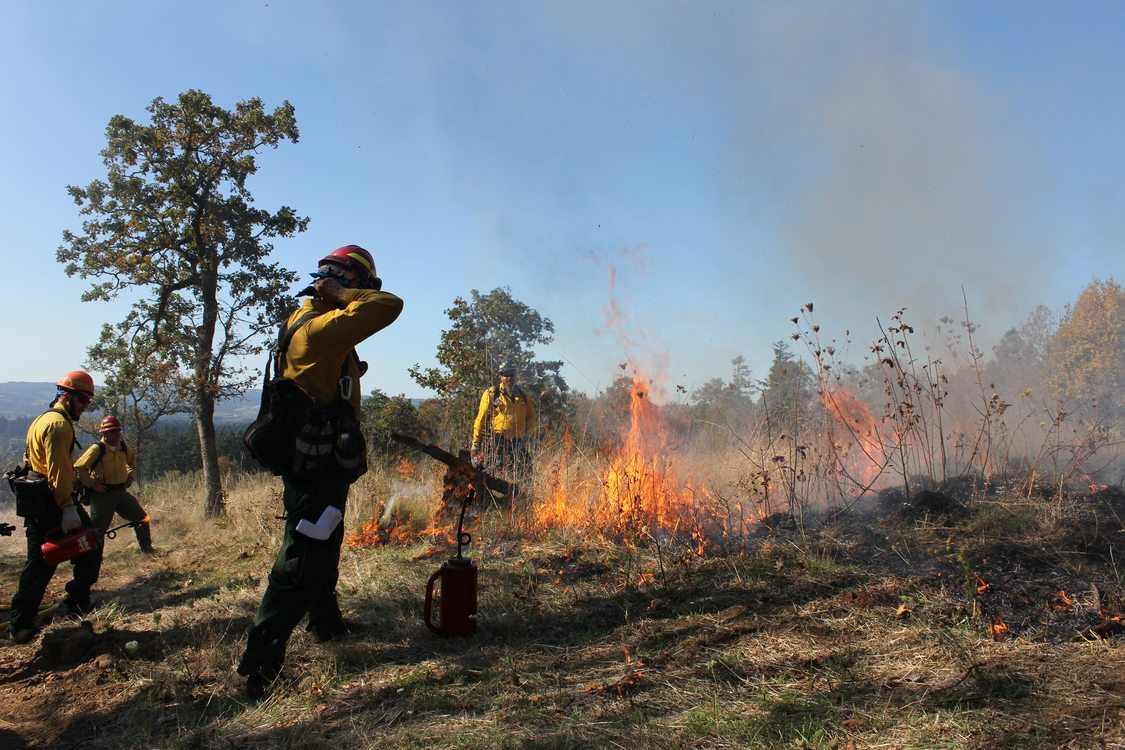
(395, 526)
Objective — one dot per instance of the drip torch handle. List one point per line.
(429, 602)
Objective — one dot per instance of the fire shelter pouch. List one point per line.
(30, 488)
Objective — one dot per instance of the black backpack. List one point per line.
(294, 435)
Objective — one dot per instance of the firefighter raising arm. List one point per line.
(507, 418)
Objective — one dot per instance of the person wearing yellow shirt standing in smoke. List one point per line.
(107, 469)
(50, 440)
(506, 418)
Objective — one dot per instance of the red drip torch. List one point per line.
(457, 603)
(458, 600)
(58, 547)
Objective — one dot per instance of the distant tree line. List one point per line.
(1076, 358)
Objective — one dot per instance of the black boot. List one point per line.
(144, 537)
(258, 680)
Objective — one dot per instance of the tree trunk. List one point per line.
(209, 454)
(206, 389)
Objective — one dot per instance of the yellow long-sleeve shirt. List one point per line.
(116, 466)
(50, 442)
(318, 349)
(512, 414)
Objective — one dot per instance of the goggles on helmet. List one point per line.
(341, 275)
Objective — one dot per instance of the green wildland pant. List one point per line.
(118, 500)
(303, 578)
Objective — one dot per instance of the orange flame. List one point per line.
(1064, 602)
(637, 496)
(556, 509)
(405, 469)
(1095, 486)
(860, 424)
(998, 630)
(639, 493)
(395, 534)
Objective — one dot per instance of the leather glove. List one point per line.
(70, 519)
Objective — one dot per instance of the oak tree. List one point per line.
(487, 330)
(174, 223)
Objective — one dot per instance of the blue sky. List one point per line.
(725, 162)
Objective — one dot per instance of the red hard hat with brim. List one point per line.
(352, 257)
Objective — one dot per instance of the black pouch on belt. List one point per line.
(30, 488)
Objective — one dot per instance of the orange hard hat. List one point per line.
(77, 380)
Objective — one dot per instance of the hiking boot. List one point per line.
(256, 686)
(22, 635)
(258, 680)
(76, 610)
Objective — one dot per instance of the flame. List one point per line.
(556, 510)
(1095, 486)
(983, 586)
(860, 424)
(637, 496)
(1063, 602)
(405, 470)
(997, 630)
(639, 493)
(375, 533)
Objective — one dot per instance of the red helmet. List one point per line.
(354, 258)
(77, 380)
(109, 424)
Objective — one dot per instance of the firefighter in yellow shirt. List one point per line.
(107, 469)
(50, 440)
(348, 306)
(505, 421)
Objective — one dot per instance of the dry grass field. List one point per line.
(900, 623)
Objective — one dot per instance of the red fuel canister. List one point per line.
(457, 603)
(60, 547)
